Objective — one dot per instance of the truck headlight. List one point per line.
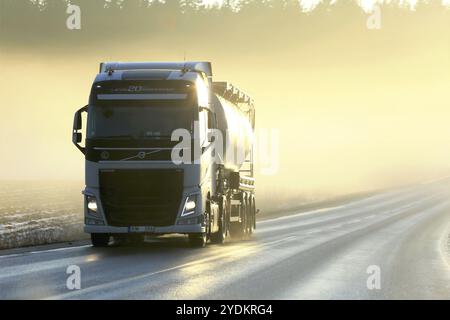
(189, 205)
(92, 204)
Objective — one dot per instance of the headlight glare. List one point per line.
(189, 205)
(92, 204)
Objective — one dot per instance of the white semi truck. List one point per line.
(143, 177)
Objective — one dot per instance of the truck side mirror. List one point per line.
(77, 136)
(78, 122)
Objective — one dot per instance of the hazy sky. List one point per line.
(356, 108)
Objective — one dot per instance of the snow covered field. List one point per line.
(39, 212)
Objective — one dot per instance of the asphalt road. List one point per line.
(401, 237)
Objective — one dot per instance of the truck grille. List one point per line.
(141, 197)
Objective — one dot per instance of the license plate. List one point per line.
(149, 229)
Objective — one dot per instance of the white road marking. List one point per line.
(301, 214)
(14, 255)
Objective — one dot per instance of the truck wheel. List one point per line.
(238, 229)
(197, 240)
(247, 220)
(254, 213)
(220, 236)
(100, 239)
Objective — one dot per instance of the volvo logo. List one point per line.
(141, 155)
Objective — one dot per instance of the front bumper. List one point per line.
(194, 228)
(179, 227)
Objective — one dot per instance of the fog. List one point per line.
(356, 109)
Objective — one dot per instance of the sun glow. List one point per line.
(212, 3)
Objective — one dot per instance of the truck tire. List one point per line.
(220, 236)
(197, 240)
(238, 230)
(254, 212)
(247, 220)
(100, 239)
(250, 216)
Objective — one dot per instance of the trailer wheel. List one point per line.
(197, 240)
(254, 212)
(250, 216)
(247, 220)
(100, 239)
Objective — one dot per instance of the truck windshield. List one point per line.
(116, 120)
